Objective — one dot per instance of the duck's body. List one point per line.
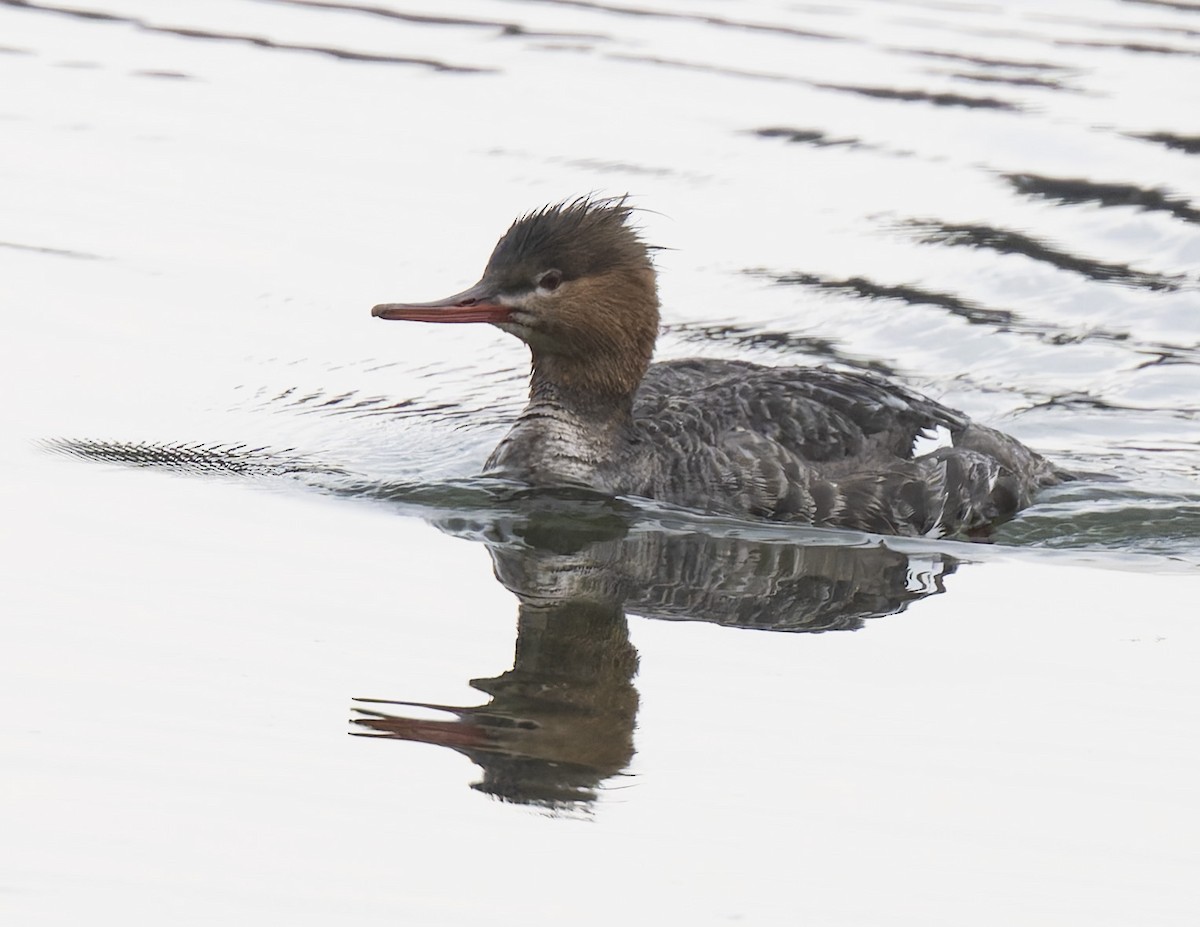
(813, 445)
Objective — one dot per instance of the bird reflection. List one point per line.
(558, 726)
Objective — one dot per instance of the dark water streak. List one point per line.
(258, 41)
(1188, 144)
(1082, 190)
(503, 27)
(1010, 241)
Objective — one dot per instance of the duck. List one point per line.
(814, 445)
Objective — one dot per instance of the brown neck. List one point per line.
(599, 345)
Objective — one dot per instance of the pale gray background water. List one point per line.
(199, 202)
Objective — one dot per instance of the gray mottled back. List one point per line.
(821, 446)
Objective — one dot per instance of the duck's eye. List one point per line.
(549, 281)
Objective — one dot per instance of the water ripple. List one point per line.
(505, 27)
(1082, 190)
(814, 137)
(1007, 241)
(258, 41)
(1188, 144)
(55, 252)
(787, 343)
(923, 96)
(984, 61)
(701, 18)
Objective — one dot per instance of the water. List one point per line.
(997, 204)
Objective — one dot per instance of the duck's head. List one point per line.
(573, 281)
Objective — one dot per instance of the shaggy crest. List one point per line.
(579, 238)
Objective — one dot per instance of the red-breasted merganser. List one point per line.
(574, 281)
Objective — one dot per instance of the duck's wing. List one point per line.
(827, 447)
(951, 491)
(821, 415)
(954, 490)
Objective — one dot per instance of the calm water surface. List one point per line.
(998, 204)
